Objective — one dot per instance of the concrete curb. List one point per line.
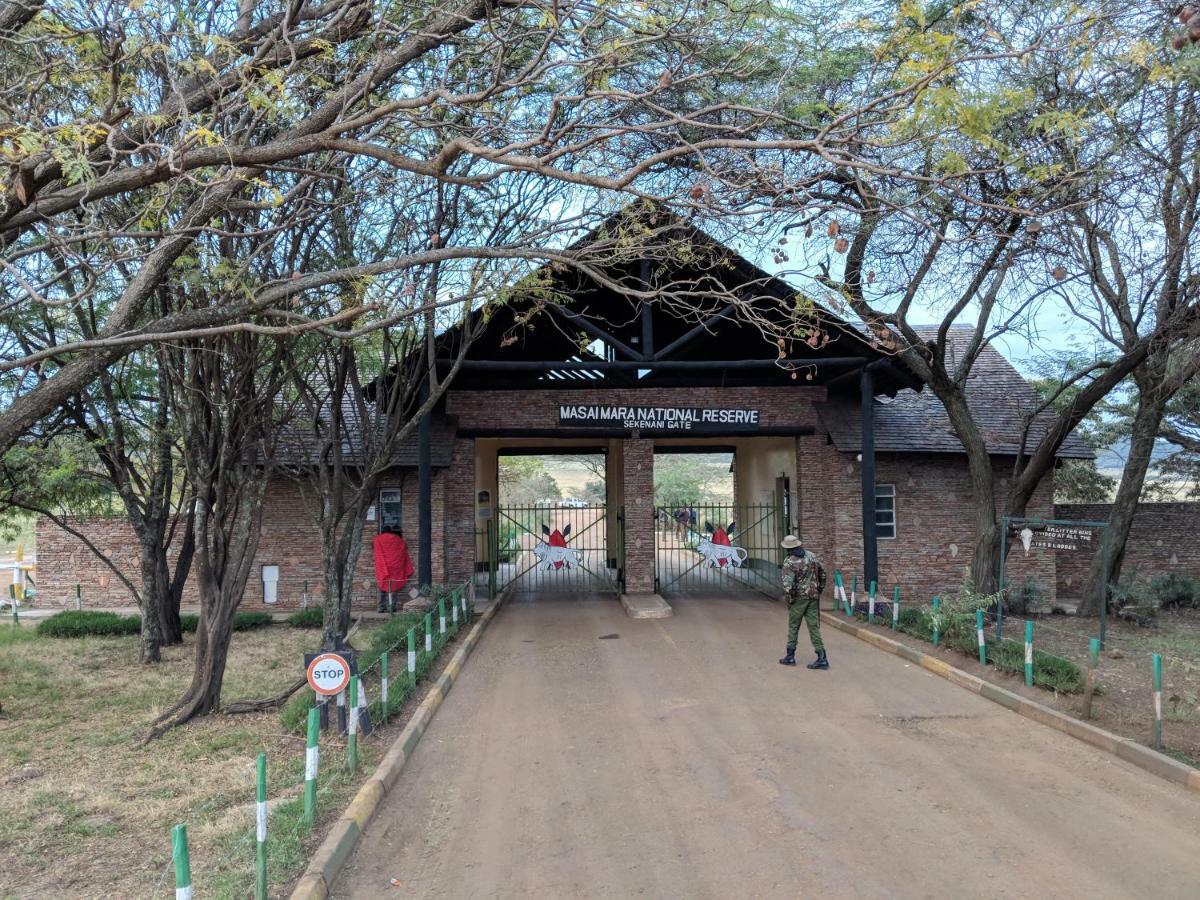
(646, 606)
(1143, 757)
(329, 858)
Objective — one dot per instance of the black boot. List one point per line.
(820, 662)
(790, 659)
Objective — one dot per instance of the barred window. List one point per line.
(885, 511)
(390, 508)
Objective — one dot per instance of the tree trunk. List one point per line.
(985, 557)
(1146, 422)
(341, 553)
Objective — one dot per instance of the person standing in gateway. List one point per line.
(803, 580)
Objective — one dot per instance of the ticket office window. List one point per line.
(390, 508)
(885, 511)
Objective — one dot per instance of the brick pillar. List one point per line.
(638, 477)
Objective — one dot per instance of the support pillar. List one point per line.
(870, 548)
(637, 470)
(425, 498)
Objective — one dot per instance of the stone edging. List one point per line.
(329, 858)
(1128, 750)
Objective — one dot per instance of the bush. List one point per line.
(189, 623)
(1021, 599)
(248, 621)
(917, 622)
(391, 635)
(312, 617)
(1174, 590)
(84, 623)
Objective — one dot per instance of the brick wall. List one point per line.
(1165, 537)
(934, 521)
(638, 475)
(290, 539)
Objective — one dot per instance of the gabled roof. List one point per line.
(999, 398)
(709, 307)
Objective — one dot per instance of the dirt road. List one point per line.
(585, 754)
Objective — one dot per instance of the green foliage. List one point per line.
(917, 622)
(392, 635)
(81, 623)
(88, 623)
(956, 617)
(1024, 597)
(1049, 671)
(692, 479)
(524, 481)
(1174, 590)
(306, 618)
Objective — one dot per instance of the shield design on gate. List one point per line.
(553, 552)
(718, 549)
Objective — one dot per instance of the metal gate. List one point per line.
(557, 549)
(714, 547)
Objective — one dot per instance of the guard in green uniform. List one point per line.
(803, 581)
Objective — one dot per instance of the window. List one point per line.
(885, 511)
(389, 509)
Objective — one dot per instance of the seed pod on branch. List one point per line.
(841, 245)
(1059, 273)
(833, 228)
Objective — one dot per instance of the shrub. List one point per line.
(83, 623)
(1022, 598)
(391, 635)
(1174, 590)
(312, 617)
(293, 716)
(188, 623)
(917, 622)
(248, 621)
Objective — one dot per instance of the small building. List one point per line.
(686, 348)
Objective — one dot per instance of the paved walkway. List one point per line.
(585, 754)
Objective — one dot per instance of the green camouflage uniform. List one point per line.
(800, 591)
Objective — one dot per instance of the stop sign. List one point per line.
(328, 674)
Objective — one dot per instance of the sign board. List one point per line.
(270, 579)
(694, 419)
(328, 673)
(1054, 537)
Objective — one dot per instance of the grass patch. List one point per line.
(1049, 671)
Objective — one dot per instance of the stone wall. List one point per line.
(1165, 537)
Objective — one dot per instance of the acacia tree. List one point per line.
(135, 129)
(980, 258)
(225, 392)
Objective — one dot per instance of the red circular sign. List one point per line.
(329, 674)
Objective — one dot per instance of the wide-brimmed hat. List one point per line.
(791, 542)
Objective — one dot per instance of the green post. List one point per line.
(183, 866)
(412, 656)
(871, 604)
(454, 613)
(1157, 702)
(1089, 684)
(896, 608)
(383, 684)
(1029, 652)
(979, 636)
(12, 595)
(937, 635)
(853, 593)
(441, 615)
(260, 891)
(352, 726)
(428, 632)
(311, 756)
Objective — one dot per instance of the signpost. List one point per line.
(1053, 535)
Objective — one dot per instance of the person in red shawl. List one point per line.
(393, 565)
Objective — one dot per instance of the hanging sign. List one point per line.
(661, 418)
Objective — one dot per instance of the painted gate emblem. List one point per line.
(553, 553)
(717, 550)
